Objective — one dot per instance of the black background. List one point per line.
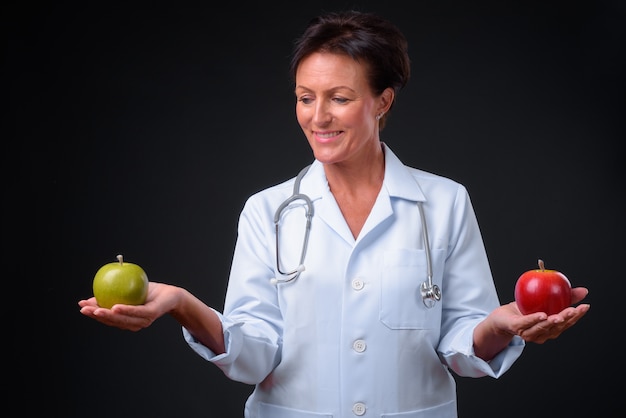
(141, 131)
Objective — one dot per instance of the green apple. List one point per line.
(120, 282)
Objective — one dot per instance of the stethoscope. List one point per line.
(430, 292)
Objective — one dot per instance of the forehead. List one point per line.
(323, 68)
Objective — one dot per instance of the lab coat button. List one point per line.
(358, 408)
(359, 346)
(357, 284)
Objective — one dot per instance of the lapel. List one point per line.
(398, 183)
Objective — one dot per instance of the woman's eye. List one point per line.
(305, 100)
(340, 100)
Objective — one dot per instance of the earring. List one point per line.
(380, 115)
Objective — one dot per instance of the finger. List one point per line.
(118, 321)
(88, 302)
(538, 334)
(554, 326)
(528, 321)
(574, 315)
(578, 294)
(569, 313)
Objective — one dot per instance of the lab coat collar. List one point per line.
(398, 181)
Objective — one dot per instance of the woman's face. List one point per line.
(336, 108)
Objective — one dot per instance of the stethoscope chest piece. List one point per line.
(431, 294)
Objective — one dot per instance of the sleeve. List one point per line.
(460, 357)
(251, 320)
(470, 295)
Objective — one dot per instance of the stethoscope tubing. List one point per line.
(430, 292)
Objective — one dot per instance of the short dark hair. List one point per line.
(365, 37)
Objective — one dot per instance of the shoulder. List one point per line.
(416, 184)
(430, 179)
(271, 194)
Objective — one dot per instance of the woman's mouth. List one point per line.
(326, 136)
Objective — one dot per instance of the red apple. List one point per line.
(542, 290)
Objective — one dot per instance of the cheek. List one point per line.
(302, 116)
(361, 121)
(359, 115)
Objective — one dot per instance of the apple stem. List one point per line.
(540, 262)
(121, 259)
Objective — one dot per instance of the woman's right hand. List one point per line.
(161, 299)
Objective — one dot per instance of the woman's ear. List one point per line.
(386, 100)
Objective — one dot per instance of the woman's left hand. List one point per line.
(539, 327)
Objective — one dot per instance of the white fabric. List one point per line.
(351, 333)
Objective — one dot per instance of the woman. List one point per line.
(342, 318)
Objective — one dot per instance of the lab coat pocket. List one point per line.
(448, 409)
(274, 411)
(401, 304)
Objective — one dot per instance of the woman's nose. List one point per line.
(322, 115)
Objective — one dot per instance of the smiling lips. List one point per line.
(325, 137)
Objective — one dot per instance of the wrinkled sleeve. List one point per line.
(459, 355)
(251, 321)
(470, 295)
(233, 338)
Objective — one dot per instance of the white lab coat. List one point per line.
(351, 336)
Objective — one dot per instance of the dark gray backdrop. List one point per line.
(141, 131)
